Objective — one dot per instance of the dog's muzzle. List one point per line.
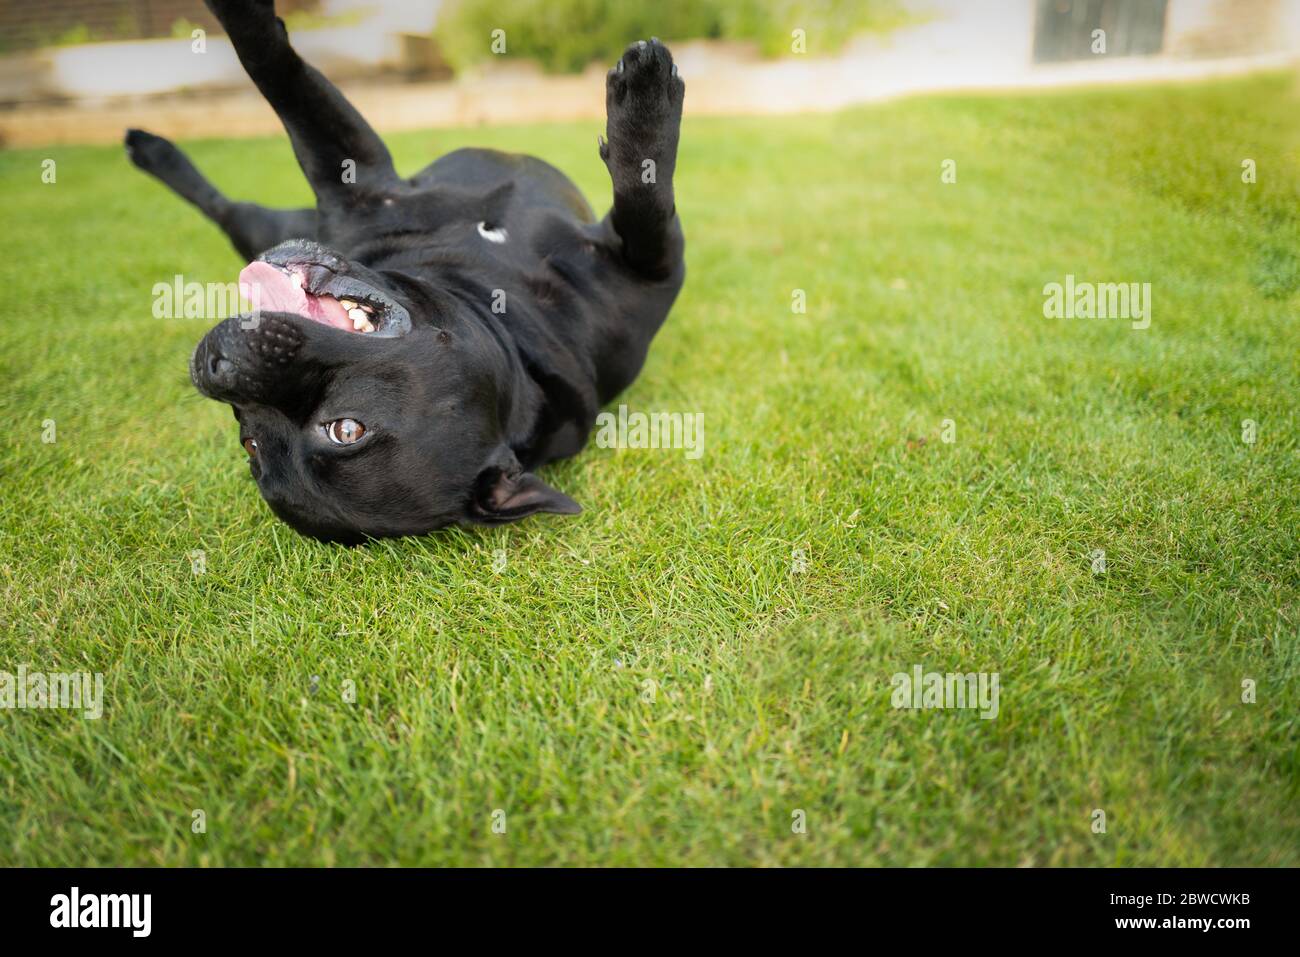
(249, 359)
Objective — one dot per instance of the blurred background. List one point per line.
(75, 71)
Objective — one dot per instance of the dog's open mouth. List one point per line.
(315, 292)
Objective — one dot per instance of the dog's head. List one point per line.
(370, 406)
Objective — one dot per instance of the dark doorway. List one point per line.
(1064, 28)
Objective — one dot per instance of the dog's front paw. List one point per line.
(248, 19)
(643, 105)
(221, 9)
(645, 78)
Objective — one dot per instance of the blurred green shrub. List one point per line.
(566, 35)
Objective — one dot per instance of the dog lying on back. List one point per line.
(422, 344)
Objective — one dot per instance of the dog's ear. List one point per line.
(505, 493)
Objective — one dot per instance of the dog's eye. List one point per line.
(344, 431)
(250, 446)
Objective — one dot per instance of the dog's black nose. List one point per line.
(221, 369)
(210, 371)
(262, 364)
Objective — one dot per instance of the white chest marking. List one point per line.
(493, 234)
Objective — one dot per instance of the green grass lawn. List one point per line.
(654, 681)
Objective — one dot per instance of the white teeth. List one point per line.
(296, 279)
(360, 321)
(360, 314)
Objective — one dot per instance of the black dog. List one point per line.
(421, 344)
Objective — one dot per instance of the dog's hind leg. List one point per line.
(643, 103)
(342, 157)
(252, 228)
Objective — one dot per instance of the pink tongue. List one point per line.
(273, 290)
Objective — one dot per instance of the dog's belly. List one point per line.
(487, 210)
(536, 183)
(525, 244)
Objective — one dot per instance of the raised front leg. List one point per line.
(643, 104)
(345, 162)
